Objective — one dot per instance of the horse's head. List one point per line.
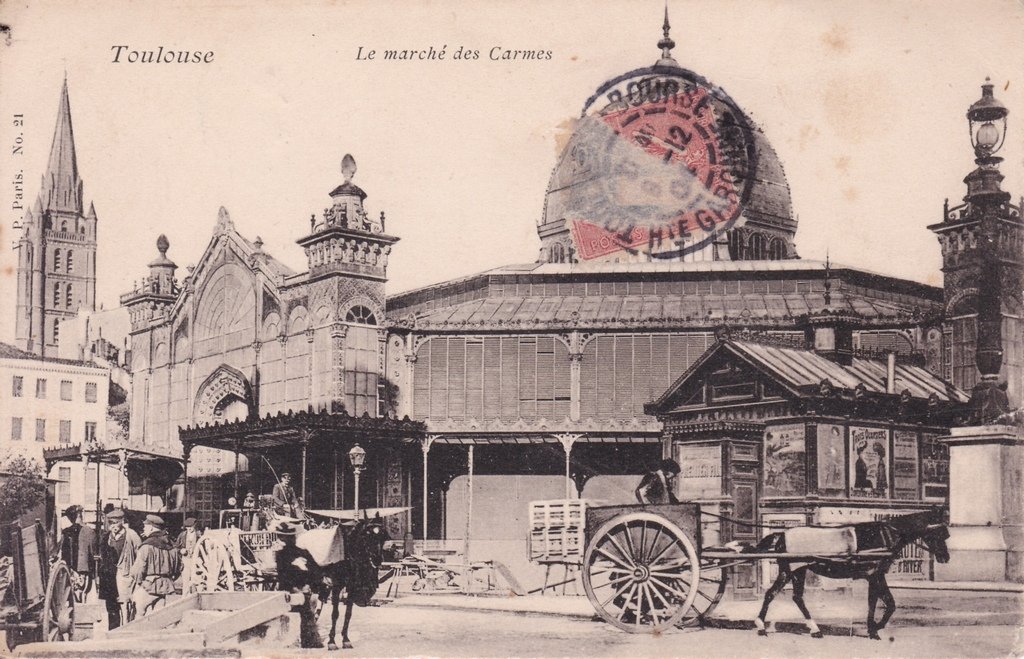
(935, 534)
(365, 541)
(929, 528)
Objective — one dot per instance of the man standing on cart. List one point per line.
(285, 501)
(656, 486)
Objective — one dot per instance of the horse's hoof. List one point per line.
(817, 635)
(331, 647)
(762, 632)
(346, 645)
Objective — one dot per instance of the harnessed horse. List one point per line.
(886, 539)
(354, 556)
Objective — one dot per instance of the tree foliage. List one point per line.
(22, 487)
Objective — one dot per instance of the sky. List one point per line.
(863, 101)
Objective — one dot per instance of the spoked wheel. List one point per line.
(212, 570)
(59, 605)
(640, 572)
(710, 589)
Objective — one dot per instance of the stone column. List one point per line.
(986, 470)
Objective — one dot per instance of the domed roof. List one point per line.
(663, 165)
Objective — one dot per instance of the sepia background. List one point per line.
(864, 102)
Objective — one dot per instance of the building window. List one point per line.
(56, 260)
(64, 485)
(56, 294)
(64, 226)
(40, 388)
(90, 431)
(16, 428)
(68, 297)
(65, 389)
(65, 432)
(40, 430)
(90, 392)
(56, 332)
(18, 386)
(360, 314)
(71, 265)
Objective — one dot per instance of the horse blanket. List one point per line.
(821, 541)
(326, 546)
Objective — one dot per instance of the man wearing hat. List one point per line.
(185, 543)
(118, 548)
(156, 566)
(285, 501)
(77, 544)
(656, 486)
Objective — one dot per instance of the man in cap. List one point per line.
(76, 547)
(118, 548)
(156, 566)
(185, 543)
(285, 501)
(656, 486)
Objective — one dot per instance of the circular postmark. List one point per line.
(661, 163)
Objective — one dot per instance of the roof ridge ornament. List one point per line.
(666, 44)
(348, 167)
(224, 223)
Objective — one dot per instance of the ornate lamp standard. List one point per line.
(357, 456)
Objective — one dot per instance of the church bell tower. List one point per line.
(57, 249)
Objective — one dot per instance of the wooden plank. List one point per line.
(159, 619)
(233, 601)
(730, 555)
(255, 614)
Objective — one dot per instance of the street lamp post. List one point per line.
(357, 456)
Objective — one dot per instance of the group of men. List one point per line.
(135, 573)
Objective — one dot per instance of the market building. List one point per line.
(474, 397)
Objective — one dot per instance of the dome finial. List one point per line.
(162, 244)
(666, 44)
(348, 167)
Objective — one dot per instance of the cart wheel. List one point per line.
(59, 605)
(709, 589)
(211, 567)
(639, 572)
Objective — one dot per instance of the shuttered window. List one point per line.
(485, 378)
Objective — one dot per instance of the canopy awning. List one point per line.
(115, 455)
(282, 429)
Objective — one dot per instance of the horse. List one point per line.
(328, 560)
(885, 538)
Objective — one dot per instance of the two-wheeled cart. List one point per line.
(38, 600)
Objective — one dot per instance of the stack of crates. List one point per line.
(557, 530)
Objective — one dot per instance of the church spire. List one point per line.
(62, 188)
(666, 44)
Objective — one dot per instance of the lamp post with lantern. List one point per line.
(357, 456)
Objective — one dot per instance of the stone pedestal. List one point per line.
(986, 505)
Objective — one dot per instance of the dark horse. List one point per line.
(362, 548)
(884, 539)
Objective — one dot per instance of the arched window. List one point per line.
(56, 330)
(736, 245)
(757, 247)
(64, 225)
(68, 297)
(360, 314)
(56, 260)
(56, 294)
(776, 251)
(557, 254)
(71, 265)
(81, 228)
